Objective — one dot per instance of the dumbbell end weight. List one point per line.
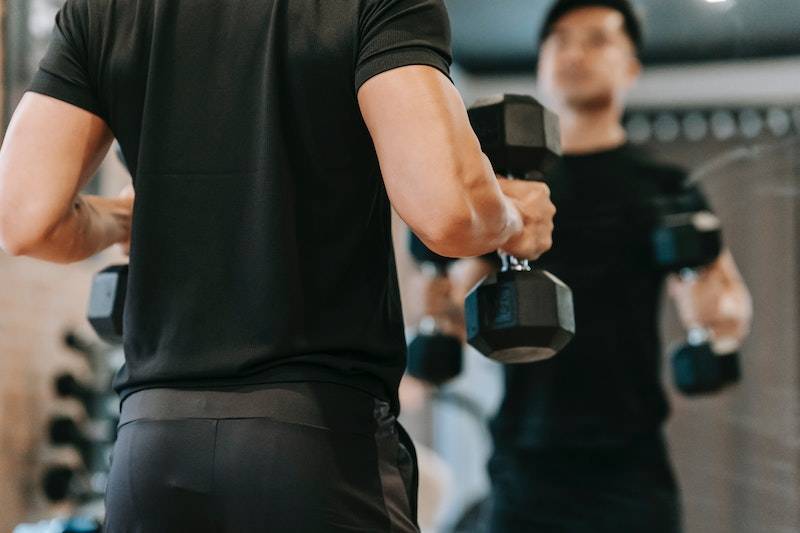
(435, 358)
(509, 327)
(56, 483)
(107, 303)
(699, 370)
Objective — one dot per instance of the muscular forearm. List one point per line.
(91, 225)
(494, 218)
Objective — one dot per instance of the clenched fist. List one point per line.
(532, 200)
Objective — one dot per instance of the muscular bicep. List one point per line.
(424, 142)
(50, 151)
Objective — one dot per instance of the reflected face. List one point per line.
(588, 61)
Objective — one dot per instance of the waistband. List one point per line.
(323, 405)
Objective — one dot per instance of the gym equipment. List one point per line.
(96, 403)
(518, 315)
(432, 356)
(703, 367)
(688, 237)
(61, 483)
(107, 303)
(93, 444)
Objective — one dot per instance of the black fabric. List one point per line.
(633, 26)
(629, 489)
(270, 458)
(604, 389)
(261, 247)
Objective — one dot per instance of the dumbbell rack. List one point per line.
(92, 437)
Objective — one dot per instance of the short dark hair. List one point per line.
(633, 26)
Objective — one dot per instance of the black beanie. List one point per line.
(633, 26)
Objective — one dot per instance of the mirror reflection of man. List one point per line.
(578, 438)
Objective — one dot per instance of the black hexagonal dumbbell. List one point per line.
(433, 356)
(61, 482)
(93, 441)
(107, 302)
(97, 403)
(687, 237)
(519, 314)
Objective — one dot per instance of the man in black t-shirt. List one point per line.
(263, 332)
(578, 438)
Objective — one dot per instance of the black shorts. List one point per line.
(628, 489)
(300, 457)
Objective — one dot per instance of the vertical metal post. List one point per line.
(16, 54)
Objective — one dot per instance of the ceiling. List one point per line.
(500, 35)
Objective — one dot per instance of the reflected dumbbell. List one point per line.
(520, 314)
(687, 238)
(433, 356)
(701, 366)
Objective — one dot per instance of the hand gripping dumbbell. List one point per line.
(519, 314)
(107, 296)
(687, 238)
(433, 356)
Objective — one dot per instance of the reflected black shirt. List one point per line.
(261, 247)
(605, 387)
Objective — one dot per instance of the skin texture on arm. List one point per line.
(718, 299)
(437, 178)
(50, 152)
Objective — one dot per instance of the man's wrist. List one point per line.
(109, 220)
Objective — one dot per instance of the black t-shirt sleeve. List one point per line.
(398, 33)
(64, 71)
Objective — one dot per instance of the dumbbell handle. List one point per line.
(509, 261)
(698, 335)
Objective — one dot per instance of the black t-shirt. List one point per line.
(261, 247)
(604, 388)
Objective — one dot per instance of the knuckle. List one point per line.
(545, 188)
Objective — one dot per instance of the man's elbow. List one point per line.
(454, 235)
(16, 244)
(21, 235)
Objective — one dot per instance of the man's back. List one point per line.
(240, 271)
